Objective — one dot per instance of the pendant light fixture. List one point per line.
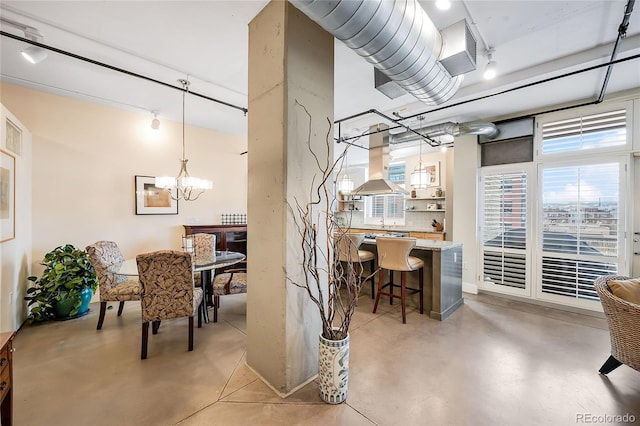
(346, 183)
(420, 177)
(183, 186)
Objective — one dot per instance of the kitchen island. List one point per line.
(442, 275)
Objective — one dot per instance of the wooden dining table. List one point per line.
(203, 264)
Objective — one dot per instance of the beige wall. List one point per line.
(15, 254)
(85, 157)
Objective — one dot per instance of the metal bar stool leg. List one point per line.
(403, 295)
(380, 281)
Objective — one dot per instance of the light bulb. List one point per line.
(490, 70)
(443, 4)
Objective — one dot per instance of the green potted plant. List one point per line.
(65, 288)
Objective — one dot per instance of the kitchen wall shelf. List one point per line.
(425, 210)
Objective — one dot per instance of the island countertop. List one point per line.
(430, 245)
(443, 275)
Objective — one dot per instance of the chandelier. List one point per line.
(184, 186)
(420, 177)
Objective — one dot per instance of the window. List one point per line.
(504, 230)
(387, 209)
(579, 234)
(578, 194)
(602, 130)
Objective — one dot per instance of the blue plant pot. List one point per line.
(62, 309)
(85, 297)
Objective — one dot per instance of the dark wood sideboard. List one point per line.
(6, 379)
(228, 237)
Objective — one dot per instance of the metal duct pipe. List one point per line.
(449, 128)
(397, 37)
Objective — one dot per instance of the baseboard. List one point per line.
(470, 288)
(276, 391)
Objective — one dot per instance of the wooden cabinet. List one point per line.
(437, 236)
(228, 237)
(6, 379)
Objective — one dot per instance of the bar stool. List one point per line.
(348, 251)
(393, 254)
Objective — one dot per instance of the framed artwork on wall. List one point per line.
(13, 138)
(7, 196)
(153, 200)
(434, 171)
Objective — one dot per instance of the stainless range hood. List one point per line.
(378, 183)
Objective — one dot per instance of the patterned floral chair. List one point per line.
(203, 245)
(168, 291)
(113, 288)
(232, 281)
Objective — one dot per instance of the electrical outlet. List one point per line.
(464, 266)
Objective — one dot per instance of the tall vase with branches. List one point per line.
(333, 286)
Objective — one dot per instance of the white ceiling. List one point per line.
(207, 41)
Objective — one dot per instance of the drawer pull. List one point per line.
(3, 362)
(3, 386)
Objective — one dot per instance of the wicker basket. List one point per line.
(624, 323)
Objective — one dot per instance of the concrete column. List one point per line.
(290, 59)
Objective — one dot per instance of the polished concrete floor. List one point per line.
(493, 362)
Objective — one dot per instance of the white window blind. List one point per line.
(593, 131)
(504, 229)
(579, 233)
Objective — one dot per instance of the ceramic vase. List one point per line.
(333, 374)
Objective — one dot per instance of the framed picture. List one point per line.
(434, 172)
(14, 138)
(153, 200)
(7, 196)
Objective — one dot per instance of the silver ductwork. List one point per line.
(489, 130)
(378, 183)
(397, 37)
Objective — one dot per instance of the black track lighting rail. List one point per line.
(120, 70)
(502, 92)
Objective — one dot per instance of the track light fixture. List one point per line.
(33, 54)
(490, 69)
(155, 123)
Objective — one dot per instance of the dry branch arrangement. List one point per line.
(332, 285)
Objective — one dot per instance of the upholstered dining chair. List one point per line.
(393, 255)
(348, 251)
(203, 245)
(623, 318)
(168, 291)
(113, 287)
(232, 281)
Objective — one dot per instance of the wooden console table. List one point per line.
(228, 237)
(6, 379)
